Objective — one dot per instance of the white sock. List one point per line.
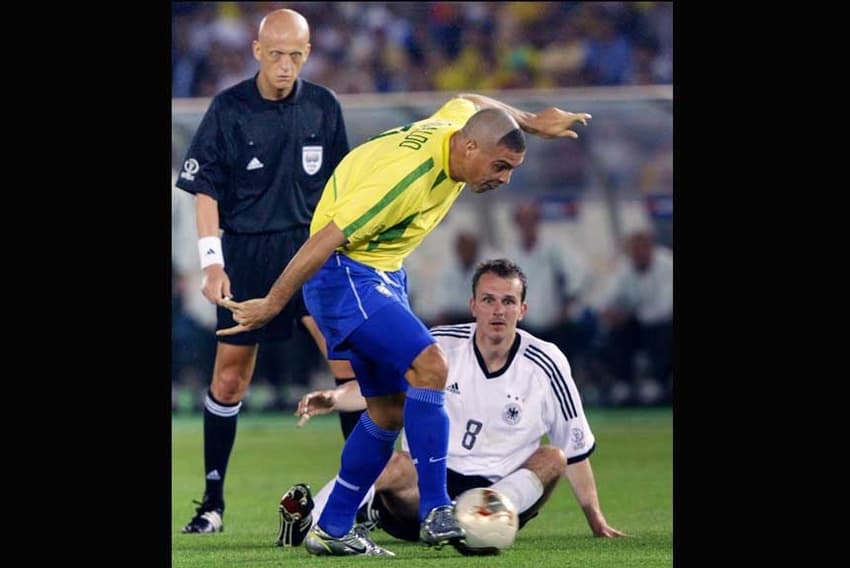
(522, 487)
(321, 499)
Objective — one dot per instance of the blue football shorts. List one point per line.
(365, 316)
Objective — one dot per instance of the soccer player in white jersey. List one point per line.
(505, 390)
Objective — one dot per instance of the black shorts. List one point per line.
(456, 483)
(253, 263)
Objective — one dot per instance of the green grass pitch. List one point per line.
(633, 464)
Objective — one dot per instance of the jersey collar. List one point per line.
(499, 372)
(294, 95)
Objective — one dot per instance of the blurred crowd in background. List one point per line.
(589, 221)
(378, 47)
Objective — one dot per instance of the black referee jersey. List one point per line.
(266, 162)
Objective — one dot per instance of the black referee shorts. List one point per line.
(253, 263)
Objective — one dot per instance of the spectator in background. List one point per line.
(609, 52)
(643, 70)
(475, 66)
(452, 307)
(417, 46)
(637, 311)
(557, 276)
(563, 60)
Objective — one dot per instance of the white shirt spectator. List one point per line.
(648, 294)
(544, 265)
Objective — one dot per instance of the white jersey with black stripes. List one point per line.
(497, 419)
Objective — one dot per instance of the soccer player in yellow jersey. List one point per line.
(383, 198)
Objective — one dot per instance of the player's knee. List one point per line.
(398, 472)
(547, 463)
(229, 385)
(553, 456)
(387, 411)
(397, 460)
(430, 369)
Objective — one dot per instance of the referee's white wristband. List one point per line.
(210, 250)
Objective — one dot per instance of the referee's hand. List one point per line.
(248, 315)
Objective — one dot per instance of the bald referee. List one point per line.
(381, 201)
(257, 165)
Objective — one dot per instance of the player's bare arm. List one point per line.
(580, 476)
(255, 313)
(215, 284)
(344, 398)
(549, 123)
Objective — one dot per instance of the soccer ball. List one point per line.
(489, 518)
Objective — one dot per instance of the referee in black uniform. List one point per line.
(257, 165)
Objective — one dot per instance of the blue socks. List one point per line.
(366, 452)
(426, 426)
(369, 447)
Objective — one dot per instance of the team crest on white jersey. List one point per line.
(577, 437)
(311, 159)
(512, 413)
(190, 168)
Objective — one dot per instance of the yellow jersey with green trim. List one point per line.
(391, 191)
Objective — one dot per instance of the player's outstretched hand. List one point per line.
(556, 123)
(601, 528)
(250, 314)
(610, 532)
(313, 404)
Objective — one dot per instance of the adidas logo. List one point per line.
(453, 388)
(213, 475)
(254, 164)
(211, 251)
